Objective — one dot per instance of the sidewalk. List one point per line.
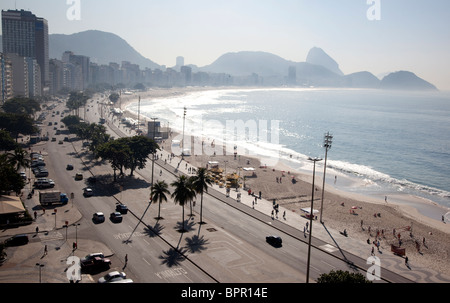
(334, 242)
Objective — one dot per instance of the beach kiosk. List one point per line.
(306, 212)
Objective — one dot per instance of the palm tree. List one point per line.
(200, 183)
(19, 158)
(182, 193)
(159, 191)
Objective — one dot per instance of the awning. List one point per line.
(308, 210)
(10, 205)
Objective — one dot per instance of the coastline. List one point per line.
(395, 214)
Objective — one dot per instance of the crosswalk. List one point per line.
(50, 236)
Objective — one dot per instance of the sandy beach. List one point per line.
(427, 241)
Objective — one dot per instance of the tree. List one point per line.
(6, 142)
(17, 124)
(114, 97)
(182, 193)
(159, 191)
(9, 178)
(117, 152)
(341, 276)
(141, 147)
(21, 105)
(76, 100)
(200, 184)
(19, 158)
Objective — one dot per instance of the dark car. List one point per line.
(122, 208)
(96, 260)
(17, 240)
(274, 241)
(69, 167)
(116, 217)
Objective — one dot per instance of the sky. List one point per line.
(378, 36)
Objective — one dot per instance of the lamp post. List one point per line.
(40, 268)
(327, 144)
(182, 148)
(311, 213)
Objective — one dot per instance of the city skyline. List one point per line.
(405, 35)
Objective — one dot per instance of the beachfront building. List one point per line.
(26, 35)
(6, 78)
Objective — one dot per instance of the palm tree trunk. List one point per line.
(201, 208)
(182, 221)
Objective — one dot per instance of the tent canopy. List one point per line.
(10, 205)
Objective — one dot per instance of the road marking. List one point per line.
(146, 262)
(170, 273)
(329, 248)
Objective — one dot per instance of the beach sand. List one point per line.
(342, 210)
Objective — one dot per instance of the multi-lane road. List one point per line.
(231, 247)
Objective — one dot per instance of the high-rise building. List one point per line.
(6, 78)
(26, 35)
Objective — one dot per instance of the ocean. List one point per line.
(384, 142)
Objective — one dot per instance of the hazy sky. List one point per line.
(410, 35)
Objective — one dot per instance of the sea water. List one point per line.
(387, 142)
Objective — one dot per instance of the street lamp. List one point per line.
(311, 213)
(40, 274)
(184, 119)
(328, 139)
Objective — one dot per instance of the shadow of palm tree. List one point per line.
(172, 257)
(154, 231)
(196, 243)
(186, 227)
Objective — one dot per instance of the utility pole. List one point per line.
(311, 215)
(182, 148)
(328, 139)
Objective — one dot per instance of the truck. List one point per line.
(52, 197)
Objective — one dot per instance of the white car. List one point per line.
(112, 277)
(88, 192)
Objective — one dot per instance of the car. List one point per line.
(274, 240)
(98, 217)
(66, 139)
(88, 192)
(122, 208)
(53, 139)
(60, 142)
(69, 167)
(112, 276)
(95, 260)
(17, 240)
(115, 217)
(23, 175)
(78, 176)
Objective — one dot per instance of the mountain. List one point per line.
(245, 63)
(361, 80)
(101, 47)
(272, 67)
(404, 80)
(317, 56)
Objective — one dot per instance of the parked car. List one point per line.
(112, 276)
(98, 217)
(17, 240)
(41, 183)
(78, 176)
(95, 260)
(115, 217)
(274, 240)
(69, 167)
(122, 208)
